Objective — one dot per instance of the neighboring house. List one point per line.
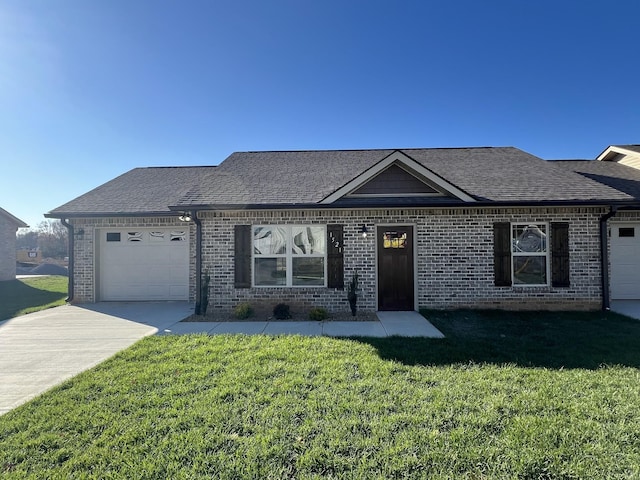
(423, 228)
(8, 227)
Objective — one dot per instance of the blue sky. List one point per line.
(92, 89)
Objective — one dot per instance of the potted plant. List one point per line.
(352, 293)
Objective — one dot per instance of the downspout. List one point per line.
(70, 270)
(196, 220)
(604, 256)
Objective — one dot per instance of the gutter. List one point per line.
(198, 222)
(455, 204)
(604, 257)
(70, 269)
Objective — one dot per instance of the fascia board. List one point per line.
(614, 149)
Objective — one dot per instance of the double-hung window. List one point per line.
(289, 255)
(530, 253)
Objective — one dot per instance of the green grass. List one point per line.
(27, 295)
(483, 403)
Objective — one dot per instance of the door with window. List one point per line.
(395, 268)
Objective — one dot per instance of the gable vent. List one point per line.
(394, 180)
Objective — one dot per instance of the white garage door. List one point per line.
(144, 264)
(625, 261)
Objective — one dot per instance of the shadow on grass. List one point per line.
(17, 296)
(554, 340)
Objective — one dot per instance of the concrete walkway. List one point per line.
(41, 350)
(630, 308)
(404, 324)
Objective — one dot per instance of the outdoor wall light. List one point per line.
(364, 231)
(79, 233)
(185, 217)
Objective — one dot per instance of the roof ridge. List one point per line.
(371, 149)
(175, 166)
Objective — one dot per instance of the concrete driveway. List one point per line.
(42, 349)
(630, 308)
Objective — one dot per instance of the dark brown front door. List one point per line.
(395, 268)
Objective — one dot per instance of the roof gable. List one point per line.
(625, 154)
(432, 183)
(12, 219)
(395, 180)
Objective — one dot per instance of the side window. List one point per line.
(523, 254)
(529, 249)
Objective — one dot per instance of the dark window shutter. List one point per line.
(502, 254)
(242, 256)
(335, 260)
(560, 254)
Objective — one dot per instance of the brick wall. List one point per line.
(454, 257)
(7, 249)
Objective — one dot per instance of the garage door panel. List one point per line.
(153, 268)
(624, 252)
(176, 252)
(179, 291)
(161, 254)
(626, 291)
(158, 291)
(626, 273)
(625, 261)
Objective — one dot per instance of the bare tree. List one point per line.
(52, 239)
(27, 240)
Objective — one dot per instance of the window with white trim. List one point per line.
(289, 255)
(530, 253)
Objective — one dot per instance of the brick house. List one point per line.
(8, 227)
(435, 228)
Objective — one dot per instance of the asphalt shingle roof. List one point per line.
(615, 175)
(141, 190)
(494, 174)
(268, 178)
(508, 174)
(305, 178)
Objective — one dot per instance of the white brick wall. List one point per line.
(454, 257)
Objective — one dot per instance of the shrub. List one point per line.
(281, 311)
(318, 313)
(242, 311)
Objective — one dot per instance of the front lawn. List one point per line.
(482, 403)
(18, 297)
